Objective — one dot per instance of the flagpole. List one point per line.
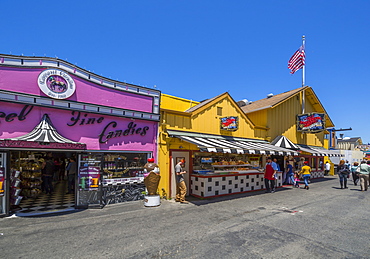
(303, 67)
(303, 75)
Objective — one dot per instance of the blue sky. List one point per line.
(197, 49)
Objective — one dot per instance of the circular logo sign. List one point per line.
(56, 84)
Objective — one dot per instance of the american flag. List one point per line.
(296, 62)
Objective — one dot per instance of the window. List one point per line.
(219, 111)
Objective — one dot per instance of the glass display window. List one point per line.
(123, 165)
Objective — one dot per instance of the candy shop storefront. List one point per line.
(217, 141)
(53, 113)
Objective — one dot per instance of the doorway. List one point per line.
(176, 157)
(38, 182)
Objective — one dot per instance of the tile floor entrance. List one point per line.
(58, 201)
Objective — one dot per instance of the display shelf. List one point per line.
(236, 165)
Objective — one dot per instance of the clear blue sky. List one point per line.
(197, 49)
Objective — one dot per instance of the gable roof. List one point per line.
(203, 103)
(206, 103)
(273, 101)
(353, 139)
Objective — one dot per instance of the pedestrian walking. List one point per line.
(306, 174)
(72, 170)
(327, 168)
(343, 173)
(269, 175)
(290, 174)
(355, 176)
(364, 175)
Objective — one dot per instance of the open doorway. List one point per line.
(176, 157)
(39, 182)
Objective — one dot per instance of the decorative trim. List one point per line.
(15, 97)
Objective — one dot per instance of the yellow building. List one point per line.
(298, 116)
(222, 147)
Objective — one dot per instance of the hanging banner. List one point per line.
(311, 122)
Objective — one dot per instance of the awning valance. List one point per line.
(282, 141)
(43, 135)
(221, 144)
(319, 151)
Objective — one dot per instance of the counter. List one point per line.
(226, 183)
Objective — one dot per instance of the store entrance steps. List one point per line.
(58, 201)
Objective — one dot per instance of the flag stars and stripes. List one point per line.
(297, 61)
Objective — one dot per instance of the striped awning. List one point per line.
(319, 151)
(227, 145)
(282, 141)
(330, 152)
(46, 133)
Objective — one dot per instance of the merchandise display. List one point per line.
(209, 164)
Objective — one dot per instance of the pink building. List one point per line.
(51, 111)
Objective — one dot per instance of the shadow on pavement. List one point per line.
(204, 201)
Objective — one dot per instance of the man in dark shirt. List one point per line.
(47, 177)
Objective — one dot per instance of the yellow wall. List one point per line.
(282, 119)
(176, 103)
(205, 120)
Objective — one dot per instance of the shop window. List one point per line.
(120, 165)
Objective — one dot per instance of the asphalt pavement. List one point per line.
(322, 222)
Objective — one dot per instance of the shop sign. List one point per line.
(56, 84)
(311, 122)
(229, 123)
(2, 173)
(21, 116)
(88, 178)
(107, 133)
